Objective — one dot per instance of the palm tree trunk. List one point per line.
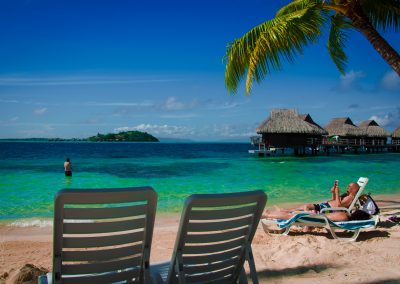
(362, 23)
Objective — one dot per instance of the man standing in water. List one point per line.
(67, 168)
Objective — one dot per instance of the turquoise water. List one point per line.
(31, 173)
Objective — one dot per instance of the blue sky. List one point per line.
(75, 68)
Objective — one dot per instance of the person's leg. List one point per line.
(277, 214)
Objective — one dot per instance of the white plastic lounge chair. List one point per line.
(102, 235)
(302, 218)
(321, 220)
(362, 182)
(214, 239)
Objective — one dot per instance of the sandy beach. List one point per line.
(298, 258)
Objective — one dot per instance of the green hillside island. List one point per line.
(127, 136)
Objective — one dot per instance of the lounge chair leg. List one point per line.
(349, 239)
(284, 231)
(252, 266)
(242, 277)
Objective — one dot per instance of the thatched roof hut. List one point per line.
(372, 129)
(286, 128)
(396, 133)
(289, 121)
(343, 127)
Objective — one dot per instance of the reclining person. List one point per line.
(337, 200)
(335, 216)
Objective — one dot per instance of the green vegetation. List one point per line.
(132, 136)
(301, 23)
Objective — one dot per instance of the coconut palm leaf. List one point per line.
(383, 14)
(264, 47)
(337, 39)
(300, 23)
(296, 6)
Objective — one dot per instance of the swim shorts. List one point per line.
(319, 207)
(68, 173)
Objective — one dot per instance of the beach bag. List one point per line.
(368, 204)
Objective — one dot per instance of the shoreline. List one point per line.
(44, 222)
(296, 258)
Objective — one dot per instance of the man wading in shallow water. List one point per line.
(67, 168)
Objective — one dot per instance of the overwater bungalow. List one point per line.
(396, 139)
(343, 134)
(375, 137)
(285, 128)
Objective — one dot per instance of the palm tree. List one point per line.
(301, 23)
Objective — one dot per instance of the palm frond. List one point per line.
(383, 14)
(264, 47)
(337, 39)
(297, 5)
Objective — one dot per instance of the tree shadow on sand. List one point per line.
(278, 273)
(364, 235)
(384, 281)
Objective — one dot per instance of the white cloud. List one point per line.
(383, 120)
(122, 104)
(234, 131)
(76, 80)
(43, 130)
(204, 132)
(15, 118)
(349, 80)
(9, 101)
(40, 111)
(172, 104)
(161, 130)
(391, 81)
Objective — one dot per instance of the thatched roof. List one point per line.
(343, 126)
(396, 133)
(372, 129)
(289, 121)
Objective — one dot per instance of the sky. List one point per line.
(72, 69)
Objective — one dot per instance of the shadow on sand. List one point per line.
(277, 273)
(365, 235)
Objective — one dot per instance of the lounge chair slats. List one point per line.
(221, 214)
(101, 255)
(209, 258)
(217, 226)
(220, 200)
(103, 196)
(100, 267)
(104, 213)
(202, 249)
(226, 273)
(214, 237)
(103, 235)
(103, 227)
(217, 236)
(102, 241)
(210, 266)
(106, 278)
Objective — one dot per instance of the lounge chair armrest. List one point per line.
(334, 209)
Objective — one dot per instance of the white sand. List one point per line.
(297, 258)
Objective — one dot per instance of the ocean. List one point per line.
(32, 172)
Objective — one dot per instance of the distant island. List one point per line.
(126, 136)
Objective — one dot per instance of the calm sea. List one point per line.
(31, 173)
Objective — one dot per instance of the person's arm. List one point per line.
(345, 202)
(333, 193)
(337, 197)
